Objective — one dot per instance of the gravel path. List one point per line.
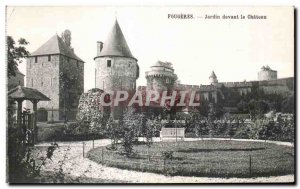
(78, 166)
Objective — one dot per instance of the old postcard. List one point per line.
(150, 94)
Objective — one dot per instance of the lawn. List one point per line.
(210, 158)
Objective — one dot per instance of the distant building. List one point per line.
(266, 73)
(267, 82)
(56, 71)
(213, 78)
(159, 74)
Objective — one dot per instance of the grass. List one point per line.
(205, 158)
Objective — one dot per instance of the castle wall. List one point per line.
(43, 76)
(284, 86)
(210, 96)
(267, 75)
(160, 83)
(121, 75)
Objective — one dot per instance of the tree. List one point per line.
(68, 82)
(91, 111)
(128, 123)
(15, 54)
(266, 129)
(113, 131)
(287, 105)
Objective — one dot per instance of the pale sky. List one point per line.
(234, 49)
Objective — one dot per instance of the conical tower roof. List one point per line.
(55, 45)
(212, 75)
(115, 44)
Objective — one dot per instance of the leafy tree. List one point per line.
(128, 124)
(289, 129)
(203, 108)
(266, 129)
(92, 112)
(287, 105)
(242, 106)
(257, 108)
(114, 132)
(68, 83)
(15, 54)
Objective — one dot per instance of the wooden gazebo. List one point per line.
(20, 94)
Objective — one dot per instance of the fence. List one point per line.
(241, 165)
(244, 166)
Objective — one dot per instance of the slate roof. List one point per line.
(213, 75)
(115, 44)
(55, 45)
(26, 93)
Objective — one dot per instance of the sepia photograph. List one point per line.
(150, 94)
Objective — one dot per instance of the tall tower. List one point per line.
(266, 73)
(116, 67)
(213, 78)
(55, 70)
(161, 77)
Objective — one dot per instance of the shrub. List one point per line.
(167, 155)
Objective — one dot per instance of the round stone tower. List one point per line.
(161, 77)
(116, 67)
(213, 78)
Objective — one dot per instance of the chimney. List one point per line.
(99, 47)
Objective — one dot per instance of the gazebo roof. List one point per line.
(25, 93)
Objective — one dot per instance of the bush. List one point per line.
(167, 155)
(67, 132)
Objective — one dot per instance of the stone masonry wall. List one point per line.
(121, 75)
(43, 76)
(160, 83)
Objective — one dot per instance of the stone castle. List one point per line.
(56, 71)
(117, 69)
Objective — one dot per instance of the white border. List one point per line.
(3, 3)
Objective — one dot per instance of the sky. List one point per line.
(234, 49)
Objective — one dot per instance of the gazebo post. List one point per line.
(35, 132)
(24, 93)
(19, 113)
